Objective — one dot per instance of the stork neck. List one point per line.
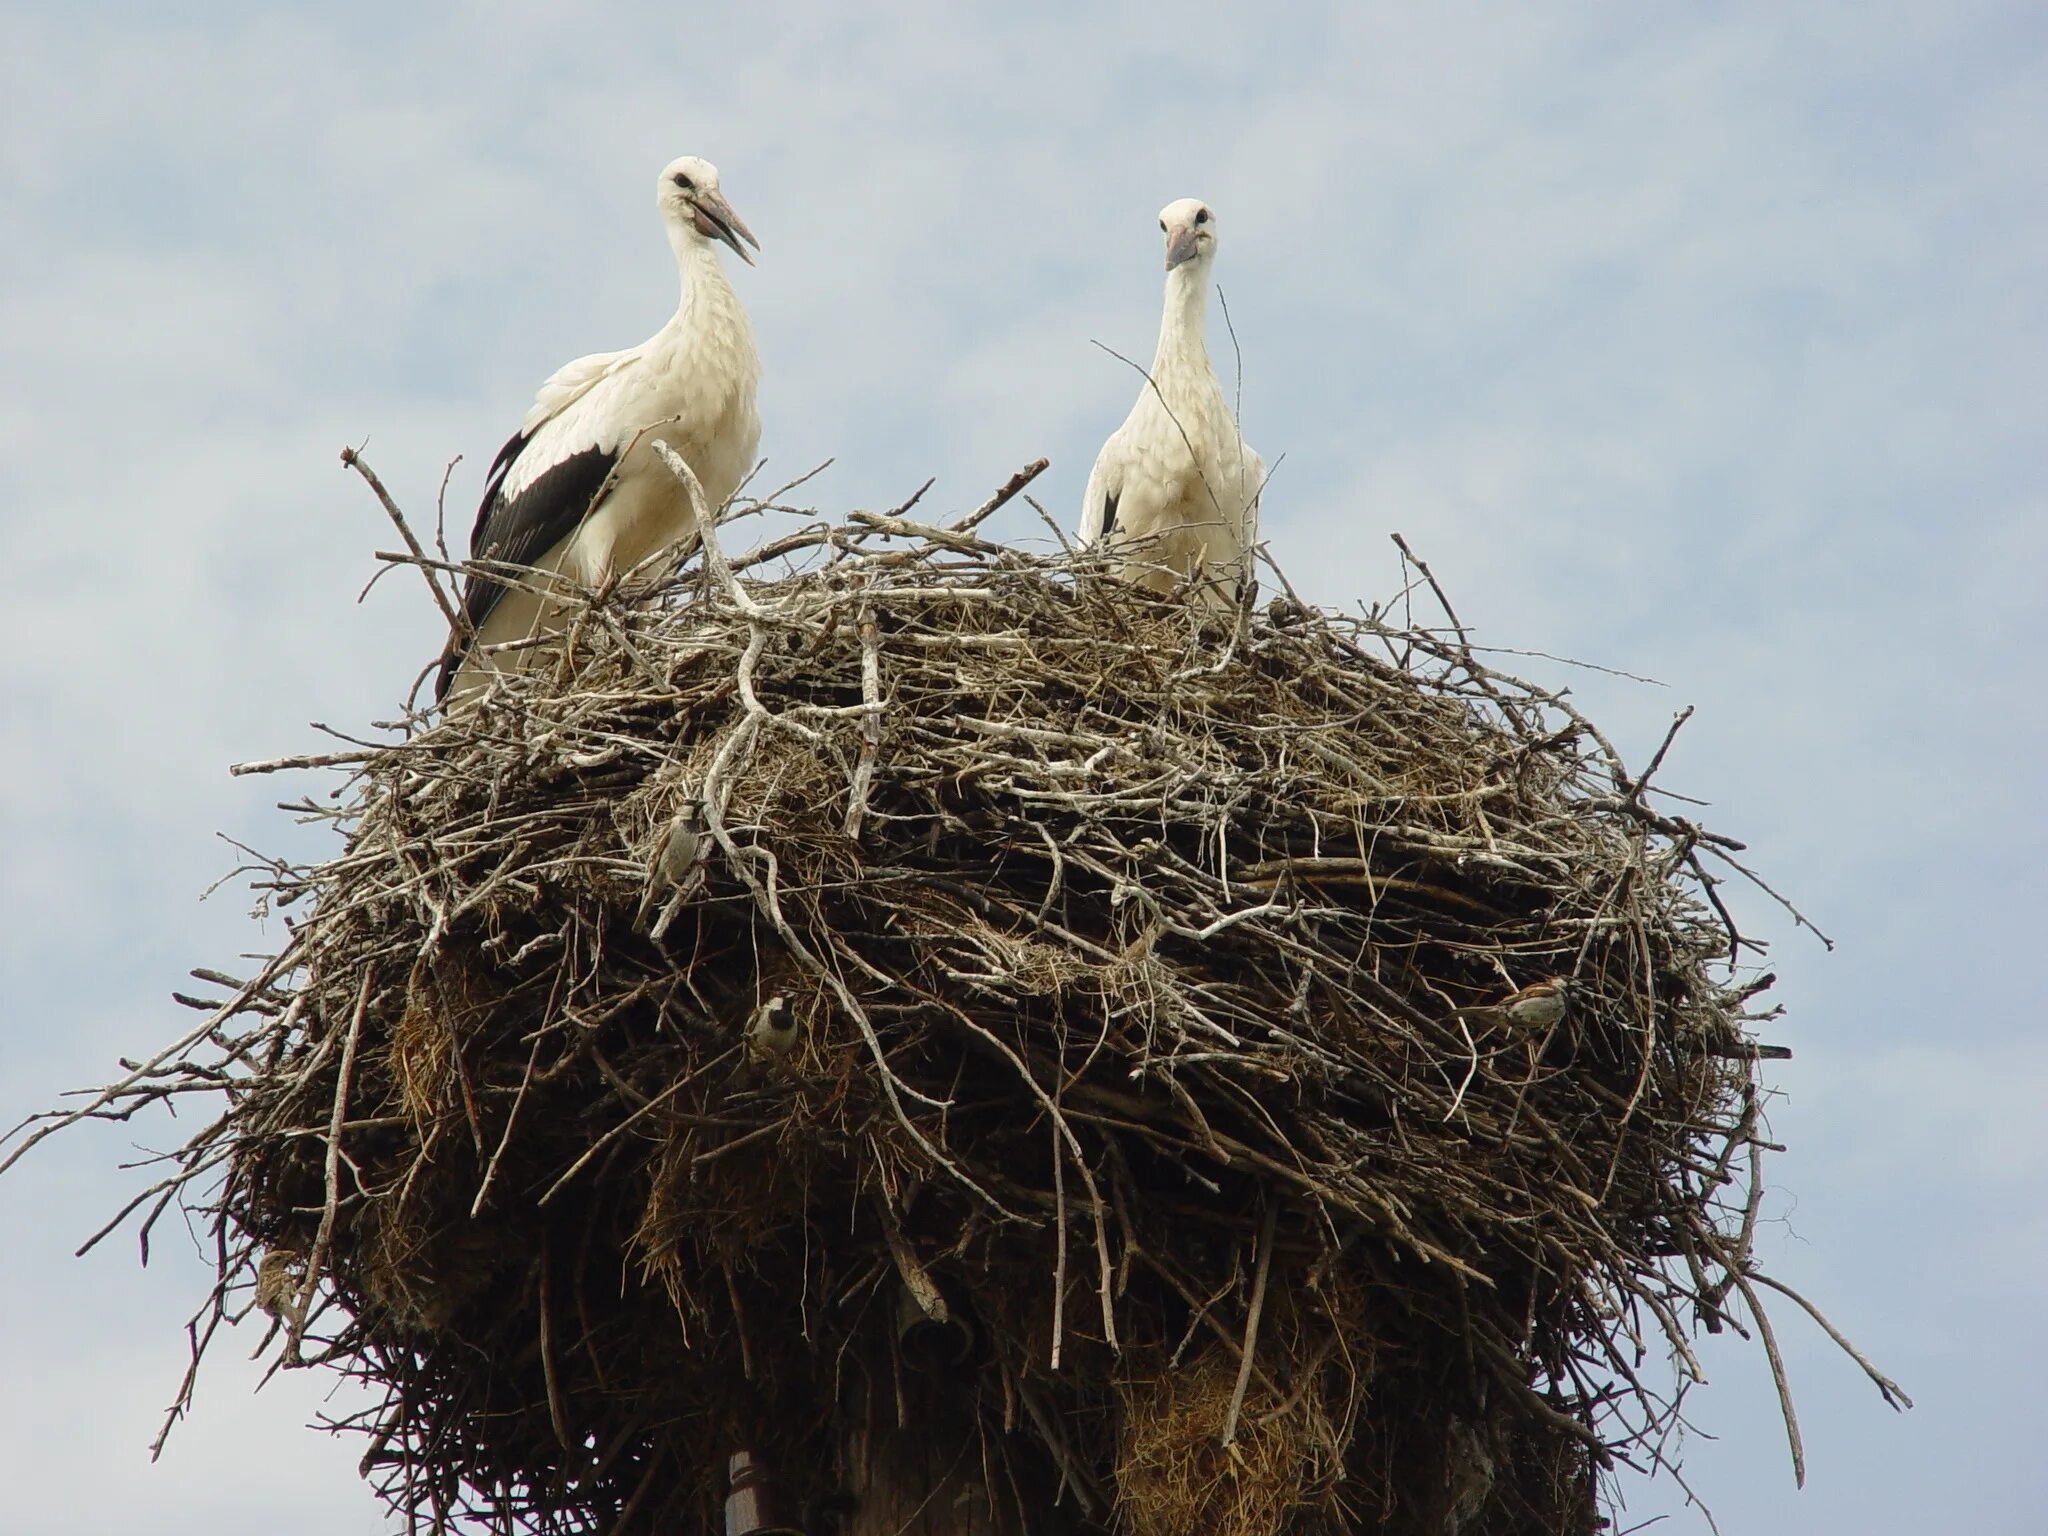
(704, 283)
(1180, 327)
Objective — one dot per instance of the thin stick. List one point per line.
(1059, 1266)
(1642, 780)
(1442, 599)
(354, 460)
(483, 1188)
(871, 723)
(303, 760)
(1002, 498)
(1778, 1377)
(441, 507)
(303, 1306)
(1251, 1321)
(558, 1415)
(1890, 1390)
(1195, 458)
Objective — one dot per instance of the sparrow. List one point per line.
(674, 861)
(279, 1277)
(772, 1031)
(1536, 1006)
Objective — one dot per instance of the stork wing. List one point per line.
(517, 528)
(1105, 490)
(520, 530)
(540, 487)
(571, 382)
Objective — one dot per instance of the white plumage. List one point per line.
(1176, 484)
(579, 490)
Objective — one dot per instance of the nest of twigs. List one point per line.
(1075, 1030)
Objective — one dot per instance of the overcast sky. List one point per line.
(1703, 341)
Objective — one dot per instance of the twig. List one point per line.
(1442, 600)
(1890, 1390)
(441, 507)
(302, 1307)
(1778, 1378)
(558, 1415)
(1642, 780)
(1195, 458)
(870, 724)
(1251, 1322)
(1002, 498)
(457, 625)
(302, 760)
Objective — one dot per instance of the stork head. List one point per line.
(1190, 229)
(696, 210)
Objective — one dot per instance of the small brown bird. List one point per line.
(683, 846)
(772, 1031)
(675, 861)
(1536, 1006)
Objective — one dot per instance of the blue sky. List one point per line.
(1699, 341)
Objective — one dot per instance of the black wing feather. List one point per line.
(520, 530)
(1108, 516)
(500, 467)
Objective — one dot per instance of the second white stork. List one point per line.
(579, 492)
(1176, 484)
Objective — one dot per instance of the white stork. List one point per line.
(579, 491)
(1176, 482)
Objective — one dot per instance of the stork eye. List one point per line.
(1162, 226)
(682, 180)
(1201, 215)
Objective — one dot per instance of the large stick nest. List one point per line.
(1081, 1009)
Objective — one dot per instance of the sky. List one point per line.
(1703, 342)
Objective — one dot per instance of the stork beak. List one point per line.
(1180, 245)
(716, 219)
